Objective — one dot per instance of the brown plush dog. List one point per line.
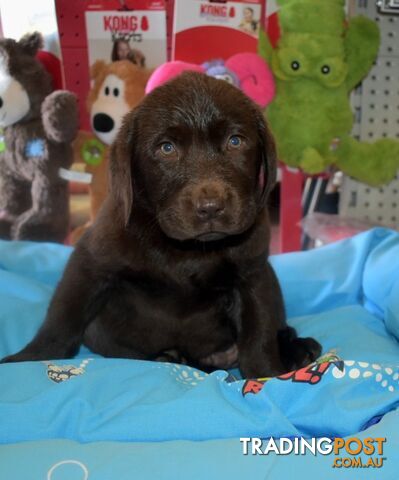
(177, 258)
(117, 88)
(39, 127)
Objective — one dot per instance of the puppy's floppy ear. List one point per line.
(121, 164)
(268, 165)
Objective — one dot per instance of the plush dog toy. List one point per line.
(319, 58)
(246, 71)
(38, 128)
(116, 89)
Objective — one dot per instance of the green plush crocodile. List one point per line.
(320, 57)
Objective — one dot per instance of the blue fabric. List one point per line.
(345, 295)
(182, 460)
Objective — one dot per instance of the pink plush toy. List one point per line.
(247, 71)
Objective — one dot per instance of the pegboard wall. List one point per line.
(376, 108)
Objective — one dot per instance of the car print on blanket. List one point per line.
(62, 373)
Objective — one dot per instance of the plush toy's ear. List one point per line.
(169, 70)
(31, 43)
(4, 58)
(265, 49)
(255, 76)
(121, 165)
(268, 165)
(96, 69)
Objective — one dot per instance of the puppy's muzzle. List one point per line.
(209, 208)
(209, 200)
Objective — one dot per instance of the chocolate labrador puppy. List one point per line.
(176, 264)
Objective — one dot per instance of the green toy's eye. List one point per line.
(295, 65)
(325, 69)
(167, 148)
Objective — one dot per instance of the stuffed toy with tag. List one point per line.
(318, 59)
(116, 89)
(246, 71)
(38, 128)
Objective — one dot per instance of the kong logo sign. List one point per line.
(121, 35)
(217, 11)
(125, 24)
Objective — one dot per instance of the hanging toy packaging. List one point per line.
(132, 30)
(217, 29)
(225, 35)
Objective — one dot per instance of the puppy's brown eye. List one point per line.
(167, 148)
(235, 141)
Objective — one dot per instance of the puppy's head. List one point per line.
(197, 155)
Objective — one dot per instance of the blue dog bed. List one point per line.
(94, 418)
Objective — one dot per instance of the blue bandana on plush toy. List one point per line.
(34, 148)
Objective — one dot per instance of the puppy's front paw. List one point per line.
(34, 355)
(18, 357)
(305, 351)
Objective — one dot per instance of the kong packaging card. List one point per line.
(127, 29)
(205, 31)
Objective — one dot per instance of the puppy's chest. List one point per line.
(207, 299)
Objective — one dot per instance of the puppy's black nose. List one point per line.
(103, 123)
(1, 102)
(209, 208)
